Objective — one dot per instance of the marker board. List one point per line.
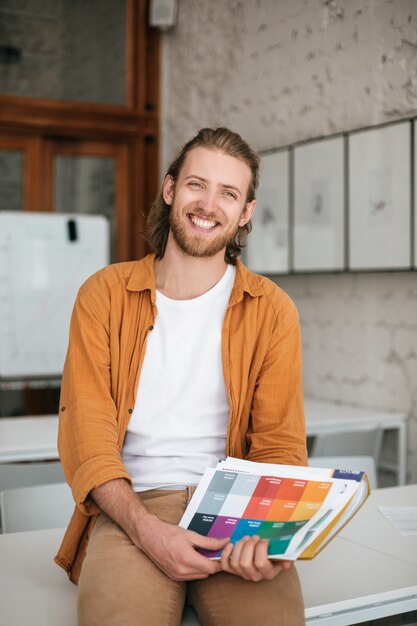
(44, 259)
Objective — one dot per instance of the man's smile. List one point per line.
(202, 222)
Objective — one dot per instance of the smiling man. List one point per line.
(215, 208)
(175, 361)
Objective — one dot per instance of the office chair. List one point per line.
(14, 475)
(355, 463)
(362, 442)
(35, 507)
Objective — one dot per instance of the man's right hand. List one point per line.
(171, 548)
(174, 549)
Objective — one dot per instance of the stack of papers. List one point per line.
(298, 509)
(403, 518)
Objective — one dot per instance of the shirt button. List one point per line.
(63, 408)
(150, 327)
(130, 411)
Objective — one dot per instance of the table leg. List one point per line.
(402, 453)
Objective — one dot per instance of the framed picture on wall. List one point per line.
(319, 206)
(415, 194)
(380, 198)
(267, 248)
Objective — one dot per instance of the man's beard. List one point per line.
(196, 245)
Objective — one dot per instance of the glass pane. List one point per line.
(86, 184)
(71, 50)
(11, 180)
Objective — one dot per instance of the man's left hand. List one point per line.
(248, 558)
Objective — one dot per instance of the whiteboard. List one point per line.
(44, 259)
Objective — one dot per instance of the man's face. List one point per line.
(208, 201)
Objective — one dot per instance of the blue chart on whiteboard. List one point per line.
(44, 259)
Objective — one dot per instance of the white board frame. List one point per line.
(267, 250)
(319, 206)
(41, 270)
(380, 198)
(415, 195)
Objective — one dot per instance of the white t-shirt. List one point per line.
(179, 422)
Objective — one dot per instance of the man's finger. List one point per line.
(236, 552)
(263, 564)
(225, 558)
(209, 543)
(248, 553)
(198, 563)
(247, 559)
(261, 555)
(241, 561)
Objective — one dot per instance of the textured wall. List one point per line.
(69, 50)
(281, 71)
(36, 29)
(360, 342)
(93, 68)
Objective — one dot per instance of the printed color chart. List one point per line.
(237, 504)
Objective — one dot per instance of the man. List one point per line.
(175, 361)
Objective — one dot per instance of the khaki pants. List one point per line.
(120, 586)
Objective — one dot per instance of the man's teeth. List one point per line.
(202, 223)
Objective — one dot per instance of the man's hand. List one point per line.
(173, 550)
(248, 558)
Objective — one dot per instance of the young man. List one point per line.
(175, 361)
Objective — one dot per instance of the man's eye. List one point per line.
(196, 184)
(230, 194)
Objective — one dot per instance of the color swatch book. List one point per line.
(298, 509)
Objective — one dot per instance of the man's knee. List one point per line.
(120, 586)
(225, 599)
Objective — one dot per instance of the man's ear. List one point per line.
(168, 189)
(247, 213)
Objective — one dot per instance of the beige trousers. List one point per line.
(120, 586)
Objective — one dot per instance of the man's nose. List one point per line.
(208, 201)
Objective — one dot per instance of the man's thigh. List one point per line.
(227, 600)
(119, 585)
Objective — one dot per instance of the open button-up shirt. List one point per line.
(113, 314)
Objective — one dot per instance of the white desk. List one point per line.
(348, 583)
(326, 417)
(34, 438)
(369, 561)
(28, 438)
(388, 540)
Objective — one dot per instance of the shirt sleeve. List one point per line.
(88, 433)
(277, 426)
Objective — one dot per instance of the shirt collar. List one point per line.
(245, 281)
(143, 277)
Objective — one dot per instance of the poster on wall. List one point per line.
(380, 198)
(267, 248)
(319, 206)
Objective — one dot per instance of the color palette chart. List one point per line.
(236, 505)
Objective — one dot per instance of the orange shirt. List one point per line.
(113, 314)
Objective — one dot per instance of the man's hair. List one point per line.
(231, 144)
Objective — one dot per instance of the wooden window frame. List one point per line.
(141, 89)
(120, 151)
(135, 124)
(31, 147)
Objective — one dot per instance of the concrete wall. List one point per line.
(69, 50)
(281, 71)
